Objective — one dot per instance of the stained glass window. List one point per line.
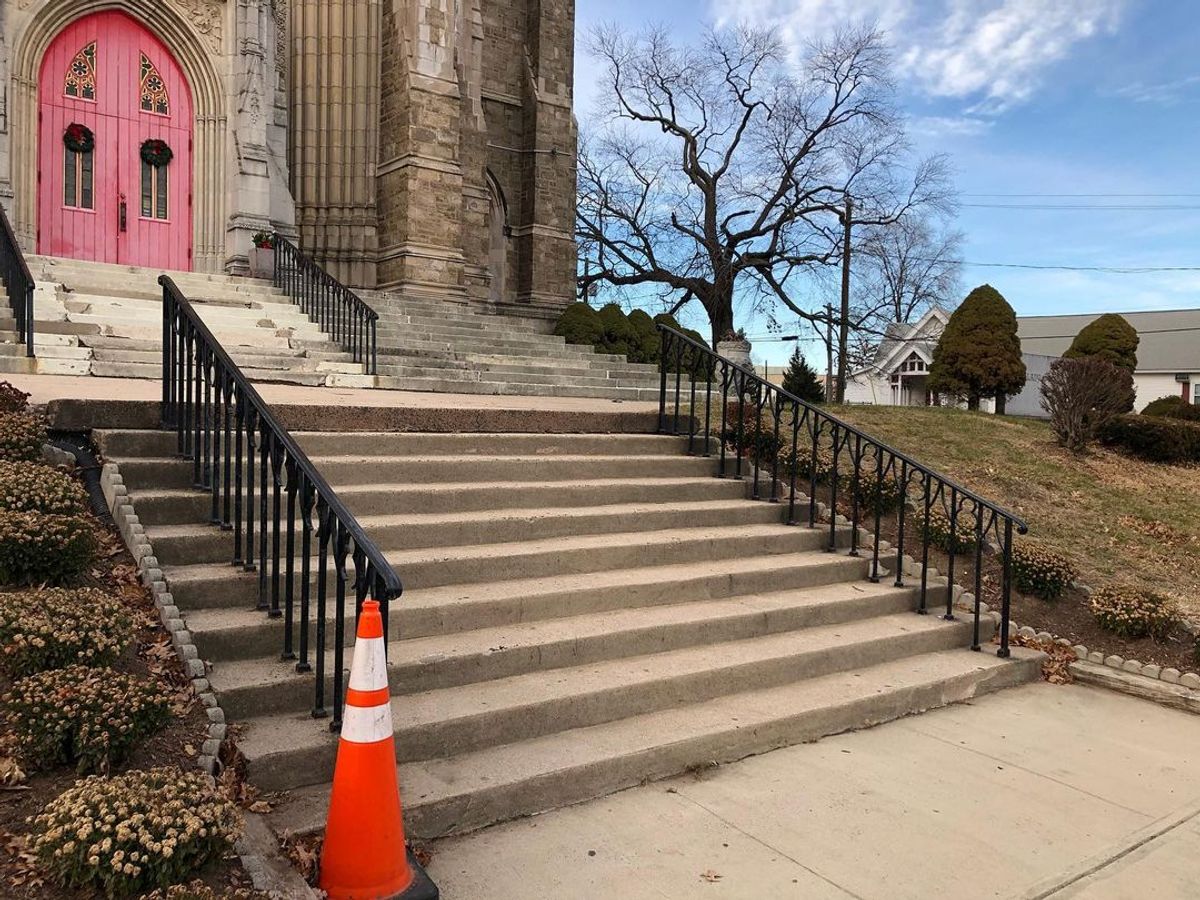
(77, 179)
(154, 92)
(154, 191)
(81, 75)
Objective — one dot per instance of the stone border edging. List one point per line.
(257, 849)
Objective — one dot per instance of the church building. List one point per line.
(425, 146)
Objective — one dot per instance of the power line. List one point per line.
(1088, 196)
(1110, 270)
(1138, 207)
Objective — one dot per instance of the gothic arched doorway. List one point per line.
(114, 146)
(497, 240)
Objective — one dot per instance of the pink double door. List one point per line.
(114, 147)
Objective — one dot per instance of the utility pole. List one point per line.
(844, 324)
(829, 392)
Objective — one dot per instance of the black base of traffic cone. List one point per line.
(422, 887)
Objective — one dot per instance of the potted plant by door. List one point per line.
(262, 255)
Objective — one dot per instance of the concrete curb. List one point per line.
(268, 869)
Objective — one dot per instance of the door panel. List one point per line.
(120, 124)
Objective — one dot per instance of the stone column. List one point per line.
(254, 166)
(420, 172)
(546, 230)
(334, 89)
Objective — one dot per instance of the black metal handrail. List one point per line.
(18, 282)
(336, 309)
(222, 424)
(804, 442)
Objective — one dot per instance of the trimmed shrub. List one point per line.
(21, 436)
(1173, 407)
(1133, 613)
(134, 832)
(1153, 438)
(1039, 571)
(617, 335)
(1110, 337)
(37, 548)
(89, 717)
(12, 399)
(979, 353)
(937, 531)
(579, 324)
(1082, 396)
(29, 486)
(648, 347)
(52, 628)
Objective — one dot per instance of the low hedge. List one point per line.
(1153, 438)
(134, 832)
(89, 717)
(43, 548)
(53, 628)
(1173, 407)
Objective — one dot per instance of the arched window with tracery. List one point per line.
(80, 81)
(154, 91)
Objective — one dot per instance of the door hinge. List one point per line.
(189, 199)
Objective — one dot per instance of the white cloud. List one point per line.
(1165, 93)
(949, 126)
(993, 53)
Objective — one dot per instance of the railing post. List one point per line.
(29, 320)
(1006, 589)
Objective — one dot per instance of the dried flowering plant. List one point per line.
(40, 548)
(12, 398)
(198, 890)
(937, 531)
(55, 627)
(1133, 613)
(21, 436)
(89, 717)
(134, 832)
(1040, 571)
(30, 486)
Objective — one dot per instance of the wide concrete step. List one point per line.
(245, 360)
(474, 789)
(105, 369)
(180, 545)
(244, 647)
(185, 505)
(287, 751)
(129, 442)
(210, 309)
(216, 585)
(472, 375)
(350, 470)
(514, 388)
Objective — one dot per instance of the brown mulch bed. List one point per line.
(178, 744)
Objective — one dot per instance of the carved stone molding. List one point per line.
(206, 17)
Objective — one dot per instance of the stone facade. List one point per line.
(425, 146)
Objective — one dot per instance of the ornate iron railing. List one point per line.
(336, 309)
(786, 441)
(18, 282)
(254, 468)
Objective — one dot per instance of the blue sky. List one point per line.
(1027, 97)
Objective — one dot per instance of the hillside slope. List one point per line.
(1117, 519)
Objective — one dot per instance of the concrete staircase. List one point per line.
(582, 612)
(97, 319)
(106, 320)
(430, 345)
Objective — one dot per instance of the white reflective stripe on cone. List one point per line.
(368, 668)
(366, 724)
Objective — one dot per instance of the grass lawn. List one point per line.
(1117, 519)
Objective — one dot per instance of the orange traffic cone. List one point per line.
(364, 856)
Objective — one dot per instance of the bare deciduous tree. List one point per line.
(722, 170)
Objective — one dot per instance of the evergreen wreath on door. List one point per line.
(156, 152)
(79, 138)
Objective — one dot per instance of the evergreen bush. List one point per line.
(801, 381)
(617, 335)
(579, 324)
(1111, 338)
(135, 831)
(648, 344)
(41, 548)
(86, 716)
(1173, 407)
(55, 627)
(979, 353)
(1153, 438)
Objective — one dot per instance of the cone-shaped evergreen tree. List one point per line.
(979, 354)
(801, 380)
(1110, 337)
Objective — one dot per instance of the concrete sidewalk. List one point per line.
(1035, 792)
